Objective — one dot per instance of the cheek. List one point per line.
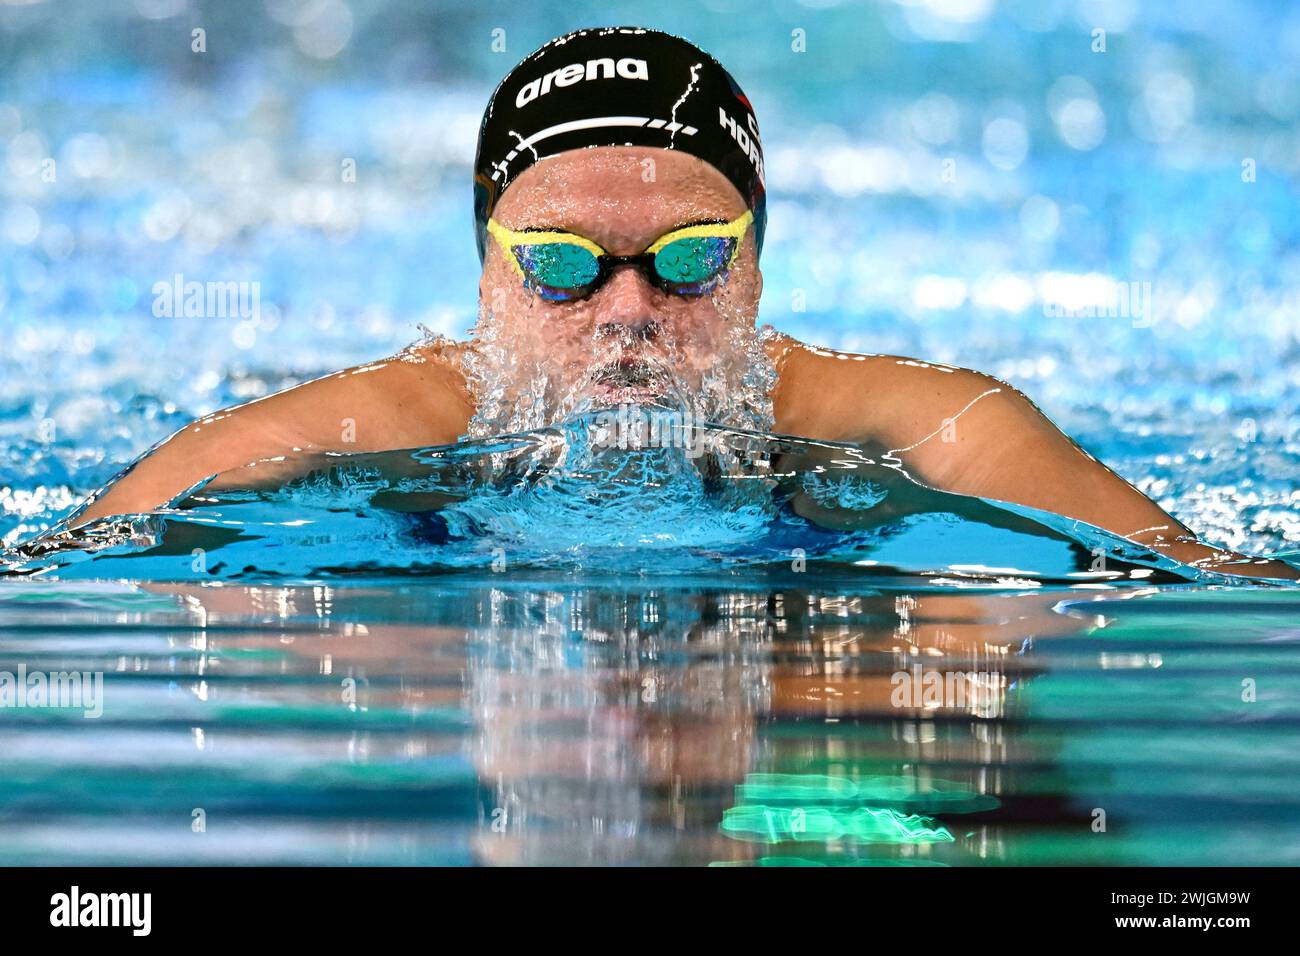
(561, 335)
(704, 322)
(740, 292)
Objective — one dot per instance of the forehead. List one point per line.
(618, 194)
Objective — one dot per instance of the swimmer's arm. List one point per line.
(268, 441)
(1001, 446)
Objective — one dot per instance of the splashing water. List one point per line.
(522, 380)
(599, 492)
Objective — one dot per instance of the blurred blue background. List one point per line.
(942, 175)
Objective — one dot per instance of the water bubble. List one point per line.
(1039, 218)
(1080, 122)
(1006, 142)
(88, 155)
(934, 118)
(22, 224)
(1169, 99)
(164, 219)
(244, 335)
(324, 28)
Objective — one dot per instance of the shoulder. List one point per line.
(887, 400)
(418, 396)
(801, 361)
(415, 397)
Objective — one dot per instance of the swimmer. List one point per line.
(620, 208)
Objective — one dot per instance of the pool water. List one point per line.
(535, 649)
(553, 719)
(586, 495)
(567, 667)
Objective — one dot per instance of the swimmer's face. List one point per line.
(629, 341)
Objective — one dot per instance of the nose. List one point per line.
(627, 302)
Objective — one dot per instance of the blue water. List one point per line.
(601, 656)
(564, 498)
(333, 672)
(506, 719)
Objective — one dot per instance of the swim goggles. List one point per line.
(561, 266)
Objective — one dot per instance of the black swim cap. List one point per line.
(617, 86)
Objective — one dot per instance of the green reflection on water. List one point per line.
(759, 823)
(886, 790)
(837, 817)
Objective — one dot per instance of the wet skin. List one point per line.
(946, 428)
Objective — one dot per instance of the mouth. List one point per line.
(630, 379)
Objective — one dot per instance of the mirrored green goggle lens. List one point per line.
(694, 261)
(558, 269)
(565, 270)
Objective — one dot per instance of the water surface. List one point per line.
(535, 650)
(490, 718)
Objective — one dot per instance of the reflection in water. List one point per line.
(733, 721)
(655, 726)
(611, 725)
(766, 824)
